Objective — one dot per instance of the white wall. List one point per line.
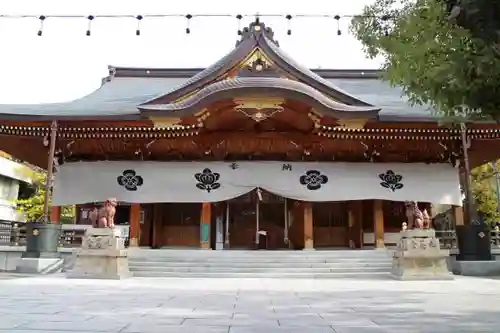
(11, 174)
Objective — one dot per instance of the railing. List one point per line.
(14, 234)
(448, 238)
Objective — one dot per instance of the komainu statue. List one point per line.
(104, 217)
(417, 218)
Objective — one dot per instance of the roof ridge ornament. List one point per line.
(256, 30)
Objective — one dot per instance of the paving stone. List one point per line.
(12, 323)
(252, 321)
(54, 304)
(69, 326)
(177, 329)
(281, 330)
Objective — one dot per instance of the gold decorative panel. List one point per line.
(259, 109)
(163, 122)
(255, 59)
(352, 123)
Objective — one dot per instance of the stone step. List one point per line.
(331, 275)
(209, 253)
(247, 264)
(255, 269)
(257, 264)
(290, 261)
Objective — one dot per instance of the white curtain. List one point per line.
(149, 182)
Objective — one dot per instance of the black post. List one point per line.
(50, 171)
(470, 211)
(474, 236)
(42, 237)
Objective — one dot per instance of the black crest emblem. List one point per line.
(130, 180)
(313, 179)
(207, 180)
(391, 180)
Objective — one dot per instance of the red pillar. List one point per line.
(135, 223)
(55, 214)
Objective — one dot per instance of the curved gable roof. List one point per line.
(265, 87)
(258, 36)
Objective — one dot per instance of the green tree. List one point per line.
(480, 17)
(435, 61)
(32, 206)
(485, 192)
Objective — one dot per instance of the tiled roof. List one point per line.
(120, 96)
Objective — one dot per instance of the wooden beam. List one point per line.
(378, 223)
(458, 214)
(55, 214)
(135, 223)
(308, 226)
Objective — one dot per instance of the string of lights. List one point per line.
(188, 17)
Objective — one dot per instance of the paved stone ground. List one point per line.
(54, 304)
(9, 275)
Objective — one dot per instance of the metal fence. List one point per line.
(448, 238)
(14, 234)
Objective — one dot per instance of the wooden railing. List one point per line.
(14, 234)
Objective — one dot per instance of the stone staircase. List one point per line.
(260, 264)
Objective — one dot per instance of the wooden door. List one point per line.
(330, 223)
(242, 222)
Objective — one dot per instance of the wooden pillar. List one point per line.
(156, 225)
(378, 223)
(355, 220)
(308, 226)
(135, 223)
(206, 217)
(458, 212)
(55, 214)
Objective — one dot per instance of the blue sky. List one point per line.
(65, 64)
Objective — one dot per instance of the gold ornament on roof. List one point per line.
(259, 109)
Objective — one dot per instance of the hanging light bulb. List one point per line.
(239, 17)
(40, 30)
(289, 18)
(138, 30)
(337, 18)
(384, 19)
(89, 25)
(188, 23)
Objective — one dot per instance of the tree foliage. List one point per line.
(32, 207)
(434, 61)
(485, 192)
(480, 17)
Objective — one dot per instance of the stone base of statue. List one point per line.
(102, 256)
(419, 257)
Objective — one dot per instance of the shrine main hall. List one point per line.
(255, 151)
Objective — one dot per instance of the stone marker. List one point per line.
(102, 256)
(419, 257)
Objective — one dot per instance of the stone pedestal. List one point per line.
(419, 257)
(102, 256)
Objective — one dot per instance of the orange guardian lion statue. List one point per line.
(417, 218)
(104, 217)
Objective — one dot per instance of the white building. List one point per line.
(11, 176)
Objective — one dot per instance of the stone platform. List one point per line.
(419, 257)
(102, 256)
